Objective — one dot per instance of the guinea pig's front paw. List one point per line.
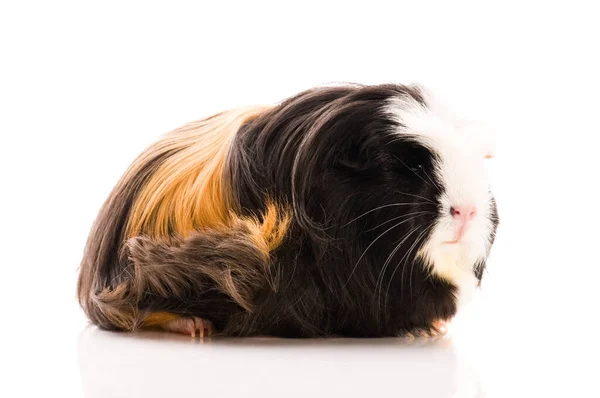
(437, 329)
(189, 325)
(440, 327)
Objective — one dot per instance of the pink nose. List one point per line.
(463, 212)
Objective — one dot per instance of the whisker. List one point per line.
(396, 218)
(396, 248)
(414, 172)
(378, 208)
(416, 196)
(387, 262)
(368, 247)
(412, 267)
(429, 178)
(405, 258)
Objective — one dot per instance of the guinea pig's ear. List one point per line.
(488, 142)
(481, 135)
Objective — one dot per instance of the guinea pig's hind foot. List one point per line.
(189, 325)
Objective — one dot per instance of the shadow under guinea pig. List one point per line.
(155, 364)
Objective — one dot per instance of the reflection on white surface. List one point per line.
(154, 364)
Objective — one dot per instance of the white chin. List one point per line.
(455, 262)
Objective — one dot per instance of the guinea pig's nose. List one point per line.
(463, 212)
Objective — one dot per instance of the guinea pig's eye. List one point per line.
(416, 168)
(413, 166)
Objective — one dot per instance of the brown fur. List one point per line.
(173, 199)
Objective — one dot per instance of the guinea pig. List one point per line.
(353, 210)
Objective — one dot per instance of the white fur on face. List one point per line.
(462, 172)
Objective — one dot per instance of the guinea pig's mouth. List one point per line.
(452, 242)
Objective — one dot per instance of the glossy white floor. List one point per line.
(85, 88)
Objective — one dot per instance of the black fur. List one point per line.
(363, 200)
(331, 154)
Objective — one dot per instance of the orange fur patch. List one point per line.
(186, 191)
(269, 233)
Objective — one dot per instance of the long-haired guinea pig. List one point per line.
(342, 211)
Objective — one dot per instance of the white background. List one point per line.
(85, 87)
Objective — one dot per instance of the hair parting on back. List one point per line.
(173, 192)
